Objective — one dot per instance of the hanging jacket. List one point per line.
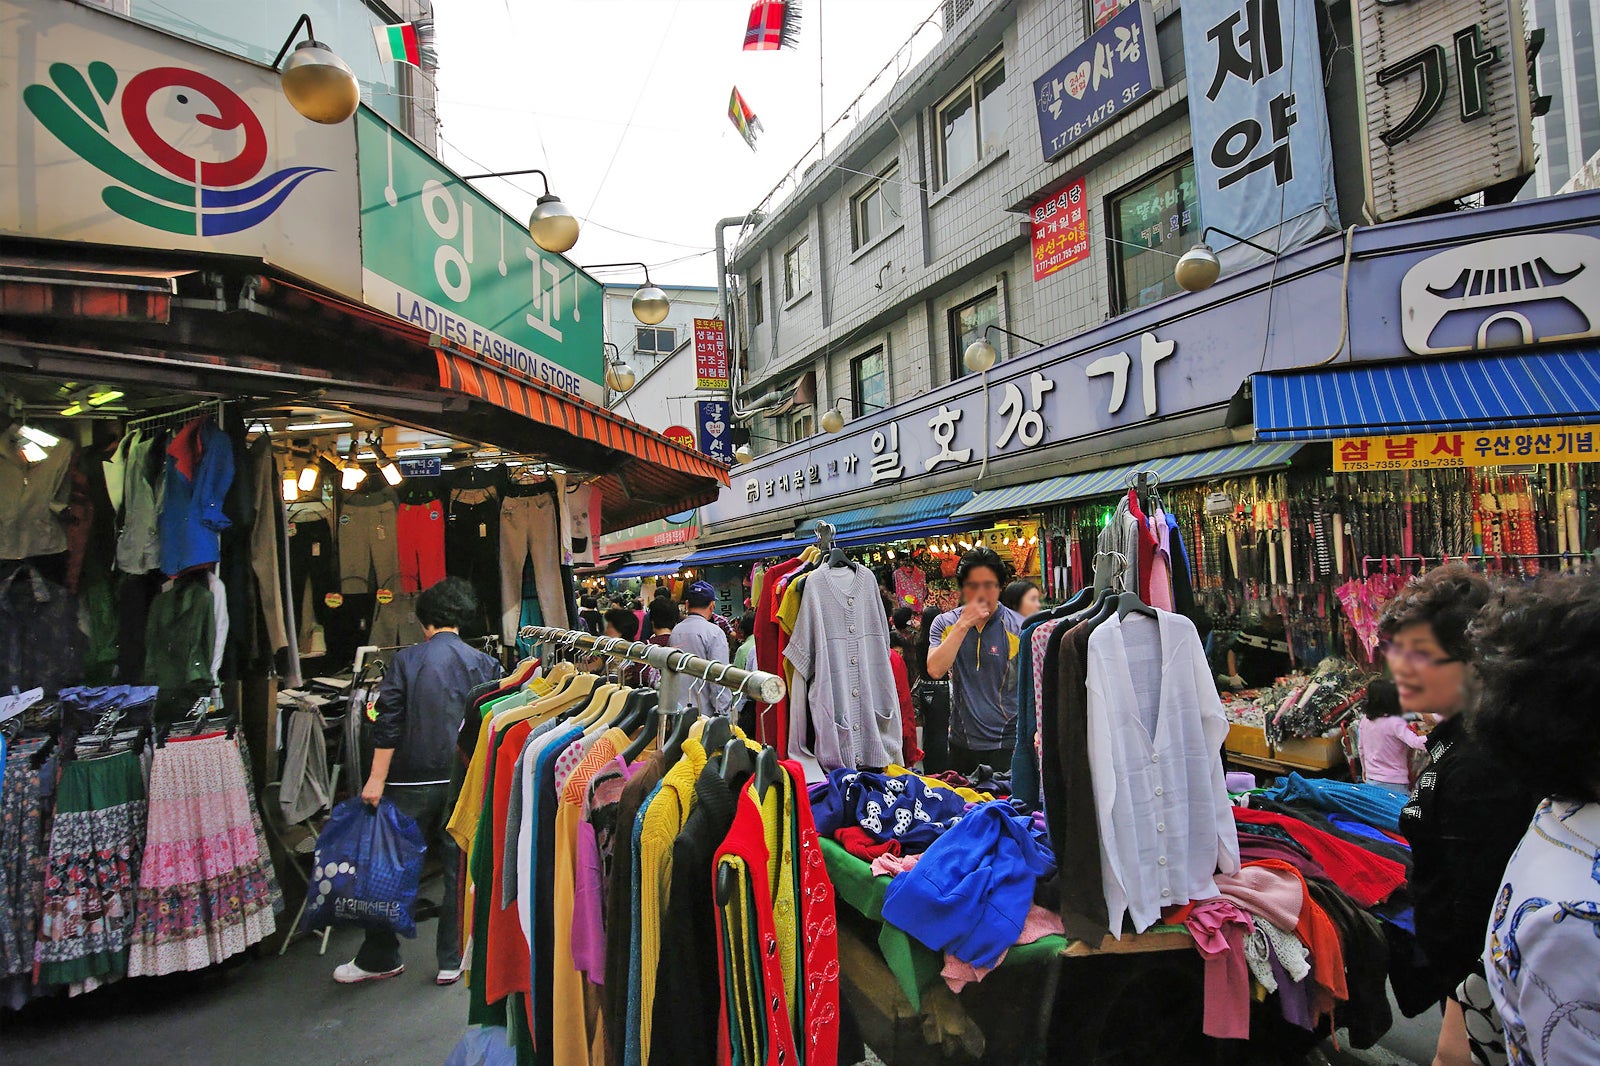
(199, 471)
(970, 893)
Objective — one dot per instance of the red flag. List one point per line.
(773, 24)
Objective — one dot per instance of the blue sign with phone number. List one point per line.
(1101, 78)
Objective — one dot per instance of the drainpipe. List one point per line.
(722, 306)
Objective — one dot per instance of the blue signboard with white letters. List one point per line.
(1099, 80)
(427, 466)
(715, 424)
(1262, 156)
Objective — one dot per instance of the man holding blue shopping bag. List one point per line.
(414, 765)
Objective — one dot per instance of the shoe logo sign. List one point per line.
(201, 149)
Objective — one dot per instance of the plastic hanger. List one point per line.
(738, 762)
(767, 773)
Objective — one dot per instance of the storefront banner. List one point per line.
(1144, 367)
(440, 255)
(657, 534)
(1060, 230)
(1446, 104)
(682, 436)
(715, 421)
(120, 135)
(1422, 451)
(1528, 288)
(1099, 80)
(1262, 155)
(427, 466)
(710, 354)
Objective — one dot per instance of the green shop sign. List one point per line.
(436, 253)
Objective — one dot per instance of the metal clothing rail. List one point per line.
(757, 684)
(212, 407)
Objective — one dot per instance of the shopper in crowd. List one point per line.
(622, 625)
(589, 618)
(745, 631)
(699, 635)
(899, 651)
(637, 607)
(1387, 739)
(904, 622)
(420, 707)
(1023, 597)
(931, 698)
(976, 647)
(1467, 812)
(1539, 709)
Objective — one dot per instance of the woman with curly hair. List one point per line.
(1538, 710)
(1466, 814)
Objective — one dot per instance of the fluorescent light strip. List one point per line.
(412, 453)
(314, 426)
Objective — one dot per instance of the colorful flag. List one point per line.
(408, 42)
(744, 120)
(773, 24)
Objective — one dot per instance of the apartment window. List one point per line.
(869, 382)
(797, 270)
(758, 305)
(973, 120)
(1160, 216)
(800, 426)
(655, 340)
(875, 210)
(967, 323)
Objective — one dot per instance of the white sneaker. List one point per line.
(448, 977)
(351, 974)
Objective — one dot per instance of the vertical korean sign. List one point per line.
(710, 354)
(441, 256)
(1060, 230)
(715, 423)
(1260, 124)
(1100, 79)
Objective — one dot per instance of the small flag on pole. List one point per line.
(408, 42)
(744, 120)
(773, 24)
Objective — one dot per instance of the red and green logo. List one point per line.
(180, 193)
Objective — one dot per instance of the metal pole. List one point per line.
(757, 684)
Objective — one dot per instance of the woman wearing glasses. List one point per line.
(1467, 813)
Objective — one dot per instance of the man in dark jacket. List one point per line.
(419, 711)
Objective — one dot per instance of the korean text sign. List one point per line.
(710, 353)
(1100, 79)
(1060, 230)
(1259, 121)
(715, 422)
(1460, 448)
(441, 256)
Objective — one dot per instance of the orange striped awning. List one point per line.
(648, 476)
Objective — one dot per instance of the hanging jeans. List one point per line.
(530, 527)
(472, 551)
(312, 571)
(420, 527)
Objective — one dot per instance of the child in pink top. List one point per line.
(1387, 740)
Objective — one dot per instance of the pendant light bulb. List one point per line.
(291, 487)
(387, 466)
(309, 475)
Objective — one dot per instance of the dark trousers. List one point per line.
(430, 806)
(965, 761)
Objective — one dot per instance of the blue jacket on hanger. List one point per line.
(199, 471)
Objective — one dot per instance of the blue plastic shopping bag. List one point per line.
(368, 866)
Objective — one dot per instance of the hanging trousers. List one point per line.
(420, 527)
(311, 568)
(530, 527)
(369, 550)
(264, 544)
(472, 551)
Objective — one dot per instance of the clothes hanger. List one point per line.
(681, 728)
(717, 733)
(727, 883)
(767, 772)
(738, 762)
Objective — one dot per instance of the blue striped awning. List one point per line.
(907, 531)
(917, 509)
(1175, 470)
(1472, 392)
(739, 553)
(637, 570)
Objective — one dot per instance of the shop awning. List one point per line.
(1472, 392)
(740, 553)
(909, 531)
(1174, 470)
(937, 506)
(638, 570)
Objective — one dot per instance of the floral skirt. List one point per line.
(205, 886)
(22, 856)
(91, 870)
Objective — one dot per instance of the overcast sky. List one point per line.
(624, 104)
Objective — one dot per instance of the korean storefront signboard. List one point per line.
(1421, 451)
(676, 529)
(1100, 79)
(682, 436)
(441, 256)
(1445, 100)
(710, 354)
(714, 418)
(1060, 230)
(1262, 156)
(119, 135)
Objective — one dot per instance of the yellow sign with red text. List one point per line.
(1421, 451)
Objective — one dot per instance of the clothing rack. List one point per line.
(181, 414)
(1367, 561)
(758, 685)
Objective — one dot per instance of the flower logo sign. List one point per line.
(203, 147)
